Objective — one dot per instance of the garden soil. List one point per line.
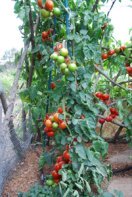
(27, 173)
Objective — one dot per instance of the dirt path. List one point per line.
(24, 175)
(122, 181)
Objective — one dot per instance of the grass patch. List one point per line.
(7, 78)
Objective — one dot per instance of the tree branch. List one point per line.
(111, 7)
(109, 79)
(33, 46)
(116, 123)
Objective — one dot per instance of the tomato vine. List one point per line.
(77, 96)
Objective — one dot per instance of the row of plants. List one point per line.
(73, 47)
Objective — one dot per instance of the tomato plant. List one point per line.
(67, 74)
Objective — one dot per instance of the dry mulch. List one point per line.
(27, 173)
(24, 175)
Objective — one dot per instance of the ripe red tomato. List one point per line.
(101, 120)
(56, 181)
(113, 116)
(55, 174)
(57, 167)
(50, 134)
(98, 94)
(59, 158)
(49, 5)
(113, 111)
(53, 85)
(60, 110)
(62, 125)
(46, 129)
(58, 47)
(45, 34)
(48, 123)
(66, 155)
(111, 52)
(129, 70)
(104, 56)
(122, 48)
(108, 119)
(105, 97)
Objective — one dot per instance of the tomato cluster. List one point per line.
(112, 52)
(46, 35)
(113, 114)
(60, 161)
(102, 97)
(52, 123)
(60, 56)
(48, 8)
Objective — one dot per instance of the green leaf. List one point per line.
(66, 193)
(79, 186)
(88, 186)
(79, 149)
(64, 176)
(81, 169)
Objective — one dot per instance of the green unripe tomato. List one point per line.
(64, 52)
(56, 11)
(44, 13)
(60, 59)
(55, 125)
(72, 67)
(54, 56)
(54, 185)
(63, 66)
(49, 182)
(66, 71)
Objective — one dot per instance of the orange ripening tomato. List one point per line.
(40, 3)
(48, 123)
(62, 125)
(56, 117)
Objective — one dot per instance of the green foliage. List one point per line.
(87, 40)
